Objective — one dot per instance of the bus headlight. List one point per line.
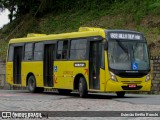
(147, 77)
(113, 77)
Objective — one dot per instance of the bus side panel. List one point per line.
(9, 72)
(65, 72)
(33, 67)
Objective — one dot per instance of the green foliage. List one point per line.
(58, 16)
(154, 7)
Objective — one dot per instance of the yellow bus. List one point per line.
(90, 60)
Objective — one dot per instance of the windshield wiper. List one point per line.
(122, 46)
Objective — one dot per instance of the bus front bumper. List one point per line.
(119, 86)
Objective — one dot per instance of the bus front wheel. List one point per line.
(120, 94)
(82, 87)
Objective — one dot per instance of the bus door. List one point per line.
(49, 50)
(17, 59)
(94, 65)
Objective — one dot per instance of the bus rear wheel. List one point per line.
(120, 94)
(82, 87)
(32, 85)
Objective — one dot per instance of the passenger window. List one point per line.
(62, 50)
(38, 51)
(10, 53)
(78, 49)
(28, 54)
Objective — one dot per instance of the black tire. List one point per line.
(82, 87)
(32, 85)
(120, 94)
(64, 91)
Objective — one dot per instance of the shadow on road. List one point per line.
(96, 95)
(73, 94)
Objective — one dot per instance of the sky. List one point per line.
(4, 18)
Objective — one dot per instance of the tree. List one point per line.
(10, 5)
(40, 7)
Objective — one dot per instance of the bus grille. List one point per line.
(127, 88)
(131, 82)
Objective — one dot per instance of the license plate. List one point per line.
(132, 85)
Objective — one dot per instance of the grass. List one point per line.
(142, 16)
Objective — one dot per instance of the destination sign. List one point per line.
(129, 36)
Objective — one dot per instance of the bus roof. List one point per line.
(83, 32)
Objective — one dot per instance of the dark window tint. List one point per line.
(28, 54)
(10, 53)
(38, 51)
(78, 49)
(62, 49)
(102, 52)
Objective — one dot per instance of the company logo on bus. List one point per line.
(79, 64)
(125, 36)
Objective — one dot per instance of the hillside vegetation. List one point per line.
(142, 16)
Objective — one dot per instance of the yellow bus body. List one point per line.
(65, 76)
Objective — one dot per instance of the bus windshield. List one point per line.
(128, 55)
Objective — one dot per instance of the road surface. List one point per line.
(22, 100)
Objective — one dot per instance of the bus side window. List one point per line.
(78, 49)
(102, 55)
(62, 50)
(38, 51)
(28, 52)
(10, 53)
